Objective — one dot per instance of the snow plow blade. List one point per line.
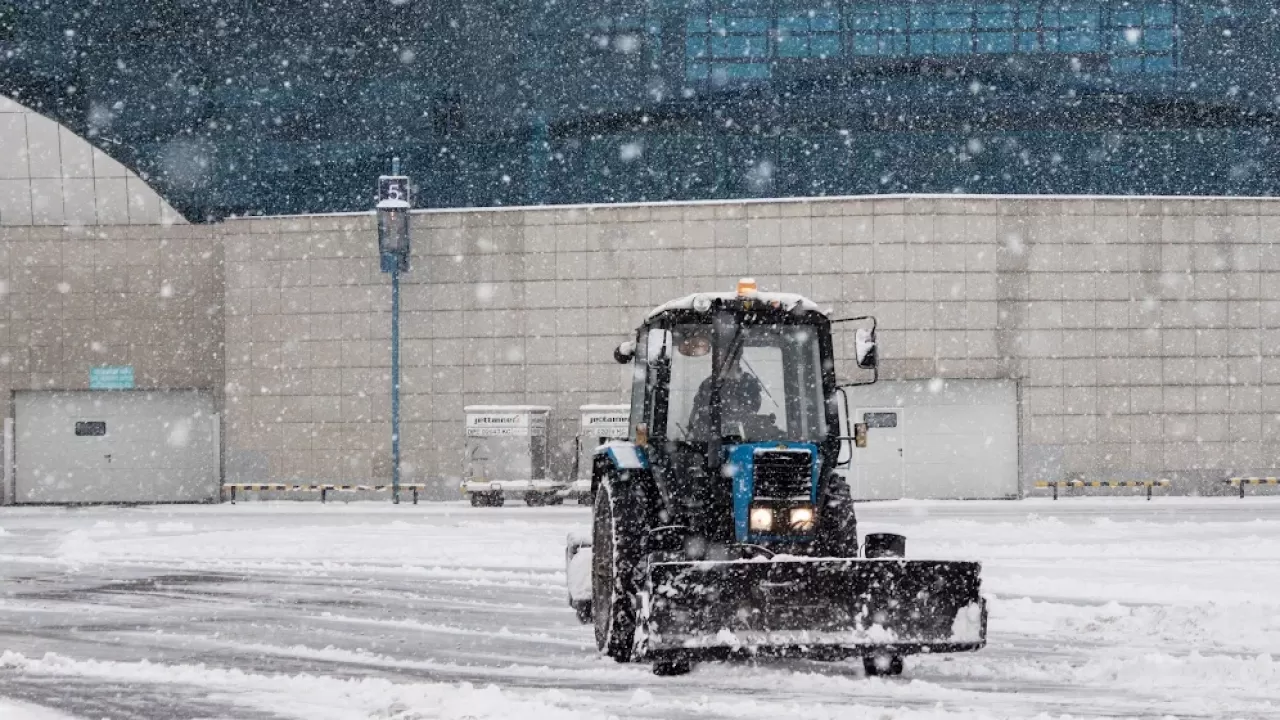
(817, 606)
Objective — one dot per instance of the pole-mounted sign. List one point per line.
(393, 222)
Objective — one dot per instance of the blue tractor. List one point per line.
(721, 526)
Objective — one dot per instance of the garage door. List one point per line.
(936, 439)
(115, 446)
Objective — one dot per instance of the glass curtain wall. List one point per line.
(284, 106)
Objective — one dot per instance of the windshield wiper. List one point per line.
(731, 355)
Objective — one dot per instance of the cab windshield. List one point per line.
(771, 385)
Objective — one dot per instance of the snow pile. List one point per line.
(14, 710)
(967, 626)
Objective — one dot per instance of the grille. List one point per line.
(783, 473)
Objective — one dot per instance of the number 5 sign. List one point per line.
(393, 187)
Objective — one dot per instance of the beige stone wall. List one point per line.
(1141, 331)
(74, 298)
(49, 176)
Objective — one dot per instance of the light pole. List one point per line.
(393, 250)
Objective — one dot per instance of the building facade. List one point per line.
(233, 108)
(1138, 332)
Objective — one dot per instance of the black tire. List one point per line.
(885, 545)
(585, 500)
(837, 522)
(583, 611)
(616, 527)
(533, 499)
(882, 665)
(475, 499)
(671, 667)
(497, 499)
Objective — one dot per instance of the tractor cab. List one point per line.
(735, 397)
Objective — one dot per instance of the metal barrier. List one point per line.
(1241, 482)
(1148, 484)
(324, 489)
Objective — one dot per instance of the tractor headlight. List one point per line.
(802, 519)
(761, 519)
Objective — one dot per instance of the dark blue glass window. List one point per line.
(995, 16)
(995, 42)
(953, 43)
(727, 47)
(810, 34)
(254, 107)
(824, 46)
(1078, 27)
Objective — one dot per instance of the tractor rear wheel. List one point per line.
(616, 525)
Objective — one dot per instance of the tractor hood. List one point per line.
(770, 480)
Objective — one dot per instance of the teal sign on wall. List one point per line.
(111, 377)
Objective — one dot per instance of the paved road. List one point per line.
(370, 611)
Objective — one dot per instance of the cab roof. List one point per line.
(786, 301)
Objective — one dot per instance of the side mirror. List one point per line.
(864, 347)
(625, 352)
(865, 352)
(659, 346)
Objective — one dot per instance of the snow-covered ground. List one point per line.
(1100, 607)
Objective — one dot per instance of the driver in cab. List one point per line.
(740, 396)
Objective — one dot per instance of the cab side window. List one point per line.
(639, 373)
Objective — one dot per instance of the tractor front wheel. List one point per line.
(837, 523)
(882, 665)
(616, 525)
